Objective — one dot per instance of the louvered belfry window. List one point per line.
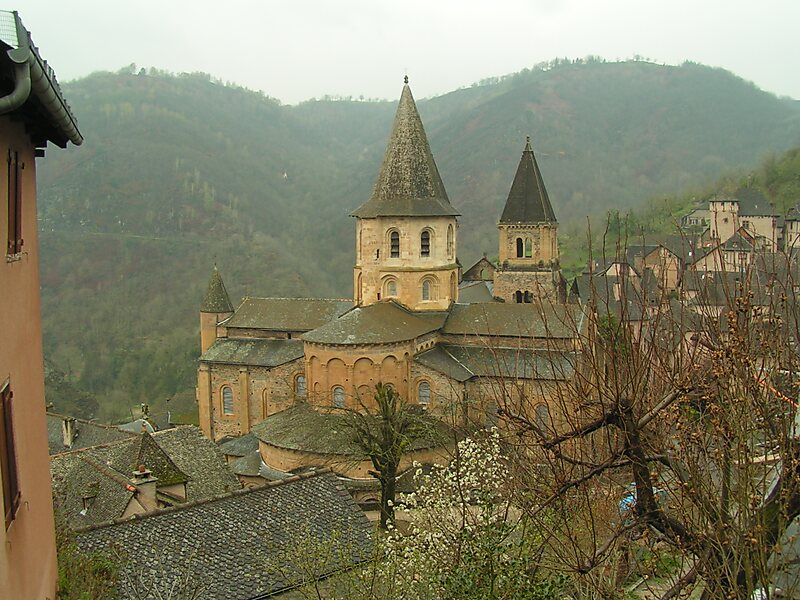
(425, 243)
(8, 457)
(14, 178)
(394, 242)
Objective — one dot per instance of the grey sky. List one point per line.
(298, 49)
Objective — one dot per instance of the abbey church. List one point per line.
(278, 367)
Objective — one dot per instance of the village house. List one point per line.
(33, 112)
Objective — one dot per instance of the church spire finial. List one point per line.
(405, 79)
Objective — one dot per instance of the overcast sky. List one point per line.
(294, 50)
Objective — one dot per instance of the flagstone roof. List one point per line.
(528, 201)
(216, 299)
(408, 183)
(244, 545)
(379, 323)
(87, 433)
(253, 352)
(465, 362)
(286, 314)
(514, 320)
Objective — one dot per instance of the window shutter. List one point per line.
(8, 459)
(14, 174)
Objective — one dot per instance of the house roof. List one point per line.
(174, 456)
(301, 427)
(470, 292)
(253, 352)
(464, 362)
(244, 545)
(86, 434)
(248, 465)
(752, 203)
(201, 460)
(514, 320)
(380, 323)
(240, 446)
(286, 314)
(409, 184)
(528, 201)
(32, 90)
(216, 299)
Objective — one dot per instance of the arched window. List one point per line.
(518, 297)
(300, 386)
(520, 248)
(391, 288)
(227, 401)
(425, 243)
(451, 241)
(338, 396)
(528, 248)
(527, 297)
(424, 393)
(394, 244)
(358, 288)
(426, 290)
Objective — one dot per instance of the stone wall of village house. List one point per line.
(664, 265)
(540, 285)
(375, 268)
(286, 460)
(268, 390)
(356, 369)
(543, 239)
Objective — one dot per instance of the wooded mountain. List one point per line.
(179, 171)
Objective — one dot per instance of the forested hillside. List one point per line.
(180, 171)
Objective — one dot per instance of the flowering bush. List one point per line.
(465, 538)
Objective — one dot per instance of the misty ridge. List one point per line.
(181, 171)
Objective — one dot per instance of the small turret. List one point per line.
(216, 307)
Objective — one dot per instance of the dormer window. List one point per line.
(425, 243)
(394, 244)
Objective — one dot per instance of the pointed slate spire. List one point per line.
(528, 201)
(216, 299)
(408, 183)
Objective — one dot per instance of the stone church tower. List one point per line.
(406, 231)
(528, 260)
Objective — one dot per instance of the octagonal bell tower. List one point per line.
(406, 232)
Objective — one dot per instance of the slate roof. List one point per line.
(752, 203)
(464, 362)
(249, 465)
(201, 460)
(88, 434)
(408, 183)
(286, 314)
(515, 320)
(179, 455)
(253, 352)
(528, 201)
(239, 446)
(470, 292)
(244, 545)
(216, 299)
(379, 323)
(301, 427)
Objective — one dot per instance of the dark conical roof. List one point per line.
(216, 299)
(408, 183)
(528, 201)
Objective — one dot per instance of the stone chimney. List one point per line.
(68, 431)
(145, 483)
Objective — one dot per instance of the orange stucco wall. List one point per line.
(27, 548)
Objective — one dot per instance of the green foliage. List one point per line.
(177, 171)
(84, 575)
